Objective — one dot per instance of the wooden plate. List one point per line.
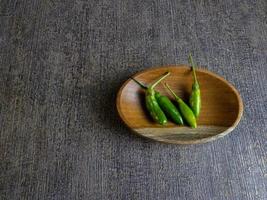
(221, 111)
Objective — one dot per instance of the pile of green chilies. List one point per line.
(160, 106)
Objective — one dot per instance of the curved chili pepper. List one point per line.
(166, 105)
(195, 97)
(187, 113)
(151, 103)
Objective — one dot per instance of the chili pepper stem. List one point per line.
(139, 83)
(160, 79)
(193, 67)
(172, 92)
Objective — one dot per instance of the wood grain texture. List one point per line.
(61, 64)
(222, 106)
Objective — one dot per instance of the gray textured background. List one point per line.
(61, 64)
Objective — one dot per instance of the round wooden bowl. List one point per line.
(221, 110)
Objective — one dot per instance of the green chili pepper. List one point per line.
(195, 97)
(151, 103)
(166, 105)
(187, 113)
